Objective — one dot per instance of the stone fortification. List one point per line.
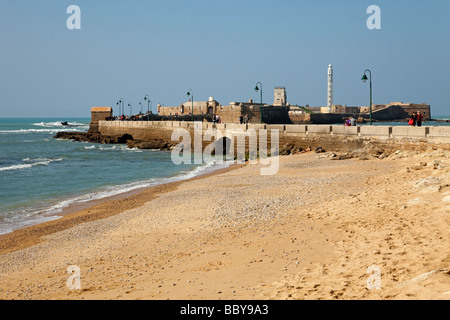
(142, 134)
(357, 141)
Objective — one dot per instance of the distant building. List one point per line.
(394, 111)
(277, 113)
(279, 96)
(409, 108)
(199, 107)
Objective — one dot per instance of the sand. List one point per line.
(313, 231)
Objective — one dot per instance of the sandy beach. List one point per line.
(310, 232)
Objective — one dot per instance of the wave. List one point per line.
(25, 131)
(22, 220)
(117, 147)
(29, 163)
(107, 148)
(60, 124)
(203, 169)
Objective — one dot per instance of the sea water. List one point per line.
(40, 175)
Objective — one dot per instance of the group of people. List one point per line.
(243, 120)
(416, 119)
(120, 118)
(138, 117)
(350, 122)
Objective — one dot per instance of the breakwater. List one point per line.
(332, 137)
(379, 141)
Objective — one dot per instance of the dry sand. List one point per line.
(309, 232)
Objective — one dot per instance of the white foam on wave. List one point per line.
(28, 165)
(59, 124)
(16, 167)
(42, 160)
(107, 148)
(9, 225)
(205, 168)
(118, 148)
(25, 131)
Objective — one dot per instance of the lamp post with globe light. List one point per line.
(190, 93)
(364, 79)
(260, 106)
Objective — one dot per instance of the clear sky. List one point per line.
(127, 49)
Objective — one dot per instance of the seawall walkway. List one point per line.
(147, 129)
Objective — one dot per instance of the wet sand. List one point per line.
(309, 232)
(89, 211)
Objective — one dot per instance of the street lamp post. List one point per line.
(121, 109)
(364, 79)
(140, 103)
(131, 113)
(260, 106)
(190, 93)
(147, 98)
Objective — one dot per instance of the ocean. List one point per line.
(40, 176)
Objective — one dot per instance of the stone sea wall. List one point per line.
(358, 141)
(379, 141)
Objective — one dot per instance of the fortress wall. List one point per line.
(333, 138)
(231, 115)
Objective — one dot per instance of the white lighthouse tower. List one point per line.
(330, 88)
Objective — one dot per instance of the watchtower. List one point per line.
(279, 96)
(98, 114)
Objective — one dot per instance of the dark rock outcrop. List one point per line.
(93, 137)
(96, 137)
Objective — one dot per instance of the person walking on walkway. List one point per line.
(413, 119)
(419, 119)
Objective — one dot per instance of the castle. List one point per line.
(282, 112)
(256, 112)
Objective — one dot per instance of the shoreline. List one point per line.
(92, 210)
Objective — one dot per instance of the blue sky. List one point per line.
(127, 49)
